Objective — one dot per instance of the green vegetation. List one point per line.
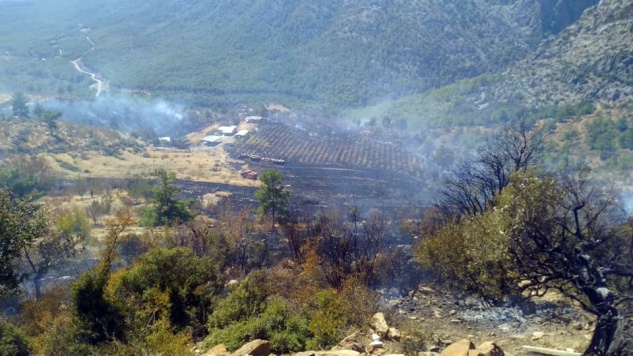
(167, 208)
(524, 232)
(272, 196)
(18, 104)
(22, 223)
(259, 51)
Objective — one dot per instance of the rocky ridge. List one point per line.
(591, 60)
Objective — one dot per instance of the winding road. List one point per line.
(99, 85)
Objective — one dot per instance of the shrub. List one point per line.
(74, 223)
(13, 340)
(172, 285)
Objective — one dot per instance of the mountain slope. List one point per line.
(328, 52)
(589, 62)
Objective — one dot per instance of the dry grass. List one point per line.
(204, 165)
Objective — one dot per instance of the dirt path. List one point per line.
(99, 84)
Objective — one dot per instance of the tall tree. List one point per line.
(473, 186)
(21, 223)
(19, 106)
(272, 196)
(544, 233)
(167, 207)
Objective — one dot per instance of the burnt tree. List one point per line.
(471, 187)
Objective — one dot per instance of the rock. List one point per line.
(380, 324)
(339, 353)
(351, 345)
(305, 353)
(232, 282)
(394, 334)
(393, 303)
(377, 344)
(537, 335)
(256, 347)
(217, 350)
(488, 348)
(378, 352)
(426, 290)
(459, 348)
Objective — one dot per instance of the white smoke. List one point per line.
(124, 113)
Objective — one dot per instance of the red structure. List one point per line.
(250, 174)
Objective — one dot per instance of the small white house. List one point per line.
(241, 133)
(212, 140)
(227, 130)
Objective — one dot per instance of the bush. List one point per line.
(74, 223)
(249, 313)
(172, 285)
(13, 340)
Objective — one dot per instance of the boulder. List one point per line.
(256, 347)
(217, 350)
(459, 348)
(488, 348)
(380, 324)
(394, 334)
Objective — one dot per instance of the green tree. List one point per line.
(545, 233)
(18, 103)
(21, 223)
(272, 196)
(167, 208)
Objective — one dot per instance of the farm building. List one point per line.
(212, 140)
(250, 174)
(252, 118)
(227, 130)
(241, 133)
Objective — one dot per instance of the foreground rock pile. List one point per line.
(372, 343)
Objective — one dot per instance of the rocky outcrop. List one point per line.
(459, 348)
(467, 348)
(551, 16)
(256, 348)
(380, 324)
(217, 350)
(590, 60)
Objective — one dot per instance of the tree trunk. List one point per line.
(623, 339)
(608, 330)
(37, 285)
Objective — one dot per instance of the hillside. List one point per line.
(329, 53)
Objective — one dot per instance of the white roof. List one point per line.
(241, 133)
(166, 138)
(227, 130)
(252, 118)
(212, 138)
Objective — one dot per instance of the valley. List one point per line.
(350, 178)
